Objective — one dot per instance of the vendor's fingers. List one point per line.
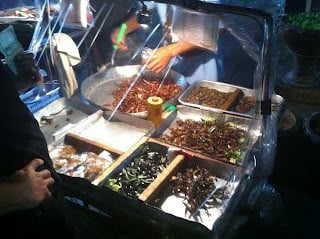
(48, 194)
(122, 45)
(158, 69)
(34, 164)
(155, 66)
(45, 173)
(49, 181)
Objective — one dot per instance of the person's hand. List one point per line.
(163, 55)
(28, 69)
(131, 26)
(159, 60)
(31, 185)
(122, 44)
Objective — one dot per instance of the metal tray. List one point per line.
(120, 133)
(277, 100)
(156, 192)
(85, 159)
(97, 89)
(141, 157)
(57, 118)
(227, 180)
(249, 125)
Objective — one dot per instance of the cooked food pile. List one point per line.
(136, 99)
(233, 100)
(23, 12)
(141, 171)
(208, 97)
(245, 104)
(77, 163)
(221, 140)
(196, 184)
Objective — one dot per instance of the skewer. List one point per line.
(49, 37)
(166, 73)
(139, 50)
(99, 30)
(133, 82)
(91, 26)
(127, 91)
(35, 36)
(143, 69)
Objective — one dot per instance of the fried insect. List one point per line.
(195, 184)
(136, 99)
(133, 179)
(217, 139)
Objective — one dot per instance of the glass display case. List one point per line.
(215, 147)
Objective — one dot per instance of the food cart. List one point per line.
(210, 155)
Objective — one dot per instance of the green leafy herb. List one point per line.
(303, 20)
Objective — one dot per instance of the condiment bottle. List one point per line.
(154, 105)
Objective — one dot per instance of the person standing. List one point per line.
(193, 62)
(31, 197)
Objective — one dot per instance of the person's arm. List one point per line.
(161, 58)
(132, 25)
(26, 188)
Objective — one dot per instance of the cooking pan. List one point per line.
(97, 89)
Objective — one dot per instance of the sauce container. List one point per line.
(154, 105)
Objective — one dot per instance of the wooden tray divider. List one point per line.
(118, 162)
(94, 145)
(162, 178)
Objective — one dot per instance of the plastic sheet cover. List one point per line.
(257, 33)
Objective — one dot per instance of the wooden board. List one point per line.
(162, 178)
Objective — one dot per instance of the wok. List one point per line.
(97, 89)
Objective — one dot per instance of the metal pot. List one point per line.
(97, 89)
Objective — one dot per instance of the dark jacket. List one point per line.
(21, 141)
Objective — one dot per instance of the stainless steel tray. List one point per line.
(77, 157)
(277, 100)
(249, 125)
(212, 205)
(57, 118)
(146, 160)
(97, 89)
(120, 133)
(156, 192)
